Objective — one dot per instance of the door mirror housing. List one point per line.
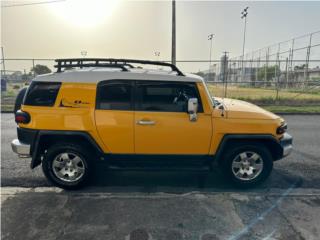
(193, 109)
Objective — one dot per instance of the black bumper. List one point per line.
(26, 135)
(26, 144)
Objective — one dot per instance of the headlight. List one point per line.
(283, 128)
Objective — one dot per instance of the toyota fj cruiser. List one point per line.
(112, 111)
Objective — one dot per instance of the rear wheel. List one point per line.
(248, 165)
(66, 166)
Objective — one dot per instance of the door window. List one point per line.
(115, 95)
(164, 96)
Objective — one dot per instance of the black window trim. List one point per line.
(134, 92)
(98, 94)
(41, 82)
(200, 106)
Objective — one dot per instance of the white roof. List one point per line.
(97, 74)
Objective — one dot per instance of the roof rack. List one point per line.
(123, 64)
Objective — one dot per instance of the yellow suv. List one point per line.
(113, 111)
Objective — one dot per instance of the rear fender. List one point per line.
(45, 139)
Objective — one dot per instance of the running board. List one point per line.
(162, 168)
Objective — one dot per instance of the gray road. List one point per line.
(130, 205)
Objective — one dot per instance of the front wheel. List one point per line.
(66, 166)
(248, 165)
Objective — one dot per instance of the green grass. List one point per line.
(290, 101)
(293, 109)
(7, 108)
(10, 93)
(274, 108)
(264, 93)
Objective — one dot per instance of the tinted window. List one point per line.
(165, 96)
(115, 95)
(42, 94)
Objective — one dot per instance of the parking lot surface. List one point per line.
(166, 205)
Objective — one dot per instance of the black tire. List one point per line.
(249, 148)
(19, 99)
(71, 149)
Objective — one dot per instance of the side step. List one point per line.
(161, 168)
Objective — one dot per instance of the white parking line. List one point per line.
(297, 192)
(7, 192)
(260, 217)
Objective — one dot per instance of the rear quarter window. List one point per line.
(42, 94)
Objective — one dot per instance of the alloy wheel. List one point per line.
(68, 167)
(247, 165)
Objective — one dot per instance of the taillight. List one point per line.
(22, 117)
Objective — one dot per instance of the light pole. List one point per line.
(244, 14)
(210, 38)
(157, 54)
(3, 72)
(83, 53)
(173, 40)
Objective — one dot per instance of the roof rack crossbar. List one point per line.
(109, 62)
(82, 65)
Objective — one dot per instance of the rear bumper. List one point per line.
(286, 144)
(22, 149)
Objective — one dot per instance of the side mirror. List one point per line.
(193, 109)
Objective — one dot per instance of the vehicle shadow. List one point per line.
(181, 182)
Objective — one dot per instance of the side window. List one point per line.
(115, 95)
(42, 94)
(164, 96)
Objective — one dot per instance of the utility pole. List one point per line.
(225, 72)
(244, 14)
(3, 64)
(306, 74)
(210, 37)
(173, 46)
(34, 73)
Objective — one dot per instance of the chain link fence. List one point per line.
(259, 81)
(286, 73)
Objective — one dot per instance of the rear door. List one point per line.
(114, 115)
(162, 124)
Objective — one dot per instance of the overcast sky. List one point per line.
(136, 29)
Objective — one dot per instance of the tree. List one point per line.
(268, 73)
(201, 74)
(300, 67)
(40, 69)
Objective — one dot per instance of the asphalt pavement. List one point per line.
(166, 205)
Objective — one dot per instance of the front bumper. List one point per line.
(286, 144)
(23, 150)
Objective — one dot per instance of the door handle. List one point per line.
(146, 122)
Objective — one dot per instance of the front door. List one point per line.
(162, 125)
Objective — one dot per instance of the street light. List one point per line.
(157, 54)
(244, 14)
(210, 38)
(84, 53)
(173, 40)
